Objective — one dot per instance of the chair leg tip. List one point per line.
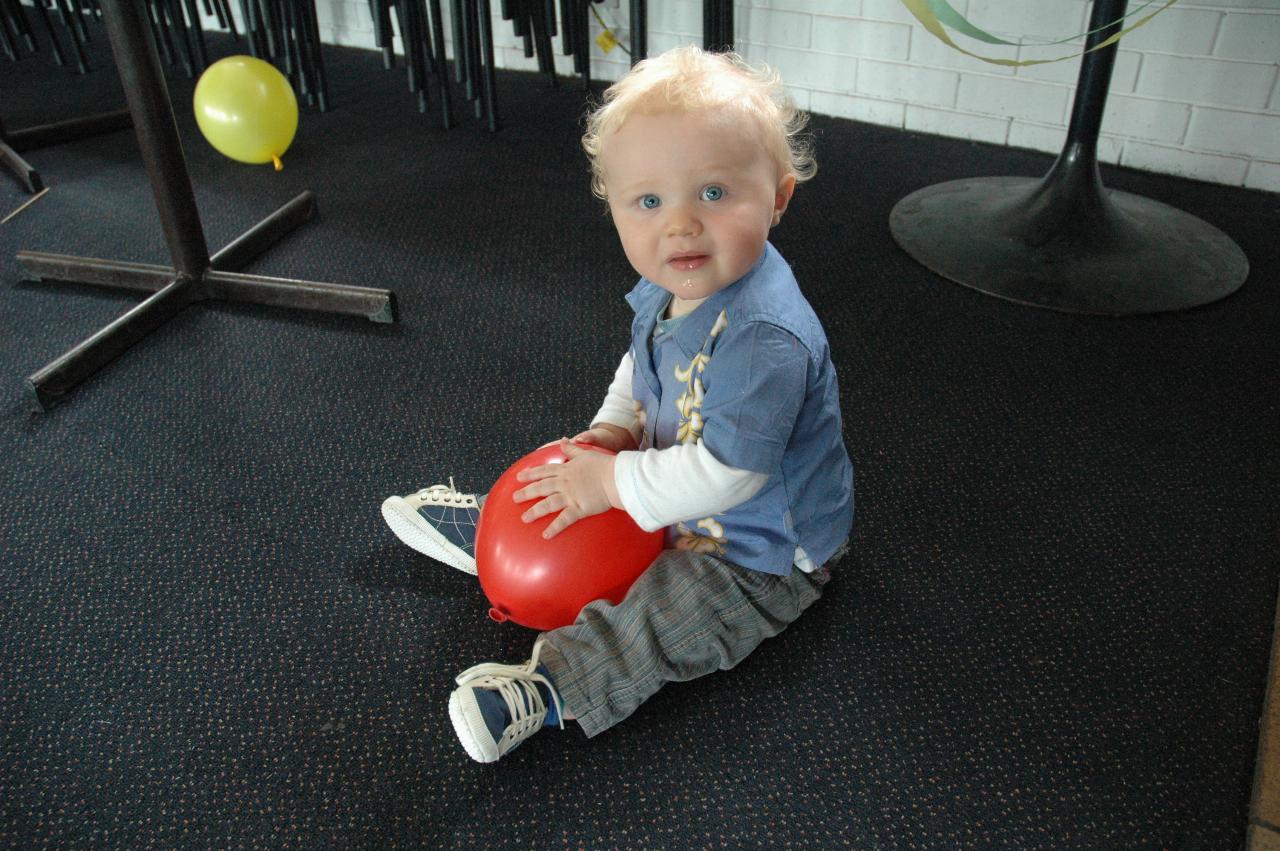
(388, 314)
(40, 401)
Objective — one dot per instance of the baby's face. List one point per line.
(693, 197)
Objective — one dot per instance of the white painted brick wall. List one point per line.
(950, 122)
(1213, 167)
(1181, 29)
(870, 110)
(1255, 135)
(1196, 92)
(1146, 119)
(1263, 175)
(1248, 37)
(1213, 82)
(860, 38)
(1013, 98)
(785, 29)
(911, 84)
(1031, 18)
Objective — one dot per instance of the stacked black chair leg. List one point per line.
(221, 9)
(303, 59)
(482, 27)
(383, 35)
(576, 15)
(534, 21)
(16, 35)
(421, 27)
(422, 36)
(639, 30)
(717, 25)
(18, 38)
(579, 40)
(473, 57)
(287, 34)
(72, 19)
(176, 26)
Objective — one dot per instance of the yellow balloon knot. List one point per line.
(276, 162)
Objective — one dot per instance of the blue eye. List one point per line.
(712, 193)
(650, 202)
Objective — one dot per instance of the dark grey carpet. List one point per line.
(1052, 630)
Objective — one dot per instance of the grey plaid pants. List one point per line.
(689, 614)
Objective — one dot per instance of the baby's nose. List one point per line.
(683, 224)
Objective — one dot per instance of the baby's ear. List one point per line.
(782, 197)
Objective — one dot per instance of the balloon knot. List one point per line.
(276, 162)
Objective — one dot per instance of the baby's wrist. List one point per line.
(618, 437)
(610, 485)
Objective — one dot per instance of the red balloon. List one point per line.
(544, 584)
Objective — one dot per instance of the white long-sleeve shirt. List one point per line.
(659, 487)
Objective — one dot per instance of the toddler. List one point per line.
(724, 414)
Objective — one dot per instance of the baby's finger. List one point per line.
(563, 521)
(533, 491)
(553, 503)
(533, 474)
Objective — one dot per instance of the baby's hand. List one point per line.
(606, 436)
(580, 487)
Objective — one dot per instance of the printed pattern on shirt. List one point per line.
(711, 538)
(690, 401)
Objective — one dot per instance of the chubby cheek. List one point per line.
(747, 242)
(640, 249)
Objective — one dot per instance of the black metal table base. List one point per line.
(1064, 242)
(1010, 237)
(194, 276)
(172, 291)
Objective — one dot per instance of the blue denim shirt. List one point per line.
(749, 374)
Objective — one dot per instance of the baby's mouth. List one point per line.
(688, 262)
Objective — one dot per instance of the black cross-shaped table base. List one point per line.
(194, 275)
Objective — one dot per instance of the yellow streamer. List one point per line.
(923, 12)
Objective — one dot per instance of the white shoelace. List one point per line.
(517, 685)
(447, 494)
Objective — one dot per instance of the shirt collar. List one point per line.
(692, 332)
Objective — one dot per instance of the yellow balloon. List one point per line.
(246, 109)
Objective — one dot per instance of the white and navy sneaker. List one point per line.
(496, 707)
(438, 522)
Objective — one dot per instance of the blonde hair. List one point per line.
(688, 79)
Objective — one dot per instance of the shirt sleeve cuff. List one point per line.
(626, 480)
(658, 487)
